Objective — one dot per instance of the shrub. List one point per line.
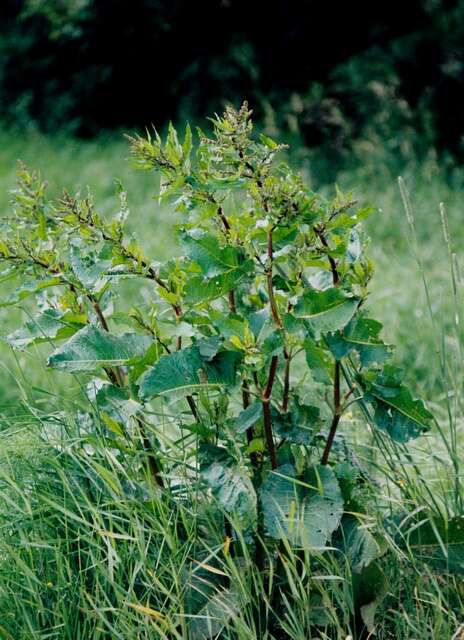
(234, 379)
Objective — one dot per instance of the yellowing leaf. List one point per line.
(147, 611)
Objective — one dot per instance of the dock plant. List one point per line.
(244, 366)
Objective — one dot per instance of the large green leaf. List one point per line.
(438, 542)
(319, 362)
(222, 267)
(28, 289)
(362, 335)
(90, 267)
(47, 326)
(213, 616)
(211, 257)
(299, 425)
(306, 511)
(185, 371)
(326, 311)
(112, 400)
(200, 289)
(396, 412)
(359, 543)
(229, 484)
(92, 347)
(248, 417)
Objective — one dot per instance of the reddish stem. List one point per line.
(267, 415)
(336, 414)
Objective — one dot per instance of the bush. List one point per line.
(225, 393)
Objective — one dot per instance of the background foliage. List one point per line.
(333, 72)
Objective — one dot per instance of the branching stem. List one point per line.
(117, 376)
(333, 265)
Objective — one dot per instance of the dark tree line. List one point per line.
(327, 69)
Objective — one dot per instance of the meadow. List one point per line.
(416, 234)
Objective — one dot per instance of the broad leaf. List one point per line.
(92, 347)
(199, 290)
(369, 589)
(89, 268)
(299, 425)
(185, 371)
(326, 311)
(229, 483)
(396, 412)
(362, 335)
(28, 289)
(48, 326)
(319, 362)
(211, 257)
(112, 400)
(214, 616)
(359, 544)
(305, 511)
(222, 267)
(248, 417)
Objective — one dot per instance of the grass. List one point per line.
(85, 553)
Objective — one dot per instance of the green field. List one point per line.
(417, 294)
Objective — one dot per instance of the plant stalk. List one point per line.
(266, 401)
(336, 415)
